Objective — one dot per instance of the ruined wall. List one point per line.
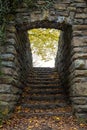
(15, 63)
(78, 77)
(66, 15)
(71, 60)
(63, 58)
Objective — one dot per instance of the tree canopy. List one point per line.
(44, 43)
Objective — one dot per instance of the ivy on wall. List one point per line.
(9, 6)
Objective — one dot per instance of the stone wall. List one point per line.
(78, 77)
(71, 63)
(63, 58)
(66, 15)
(16, 61)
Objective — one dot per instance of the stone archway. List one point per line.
(65, 15)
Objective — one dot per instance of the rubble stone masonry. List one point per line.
(69, 16)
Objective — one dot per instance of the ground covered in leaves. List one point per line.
(43, 123)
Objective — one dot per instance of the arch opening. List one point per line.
(70, 61)
(44, 46)
(63, 47)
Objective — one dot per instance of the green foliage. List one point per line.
(9, 6)
(44, 42)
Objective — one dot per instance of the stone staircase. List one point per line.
(44, 95)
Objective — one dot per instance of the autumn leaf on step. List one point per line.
(18, 109)
(57, 118)
(1, 126)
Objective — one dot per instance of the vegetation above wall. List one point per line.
(9, 7)
(44, 45)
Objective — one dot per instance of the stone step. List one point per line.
(45, 91)
(45, 71)
(44, 106)
(43, 76)
(63, 114)
(42, 82)
(44, 79)
(49, 86)
(42, 102)
(44, 98)
(43, 68)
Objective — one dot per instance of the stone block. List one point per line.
(79, 27)
(8, 64)
(86, 64)
(80, 10)
(78, 21)
(80, 33)
(71, 8)
(5, 79)
(79, 5)
(79, 41)
(79, 100)
(11, 29)
(81, 16)
(85, 21)
(81, 116)
(11, 41)
(7, 70)
(80, 108)
(9, 49)
(6, 108)
(5, 88)
(80, 56)
(79, 89)
(78, 50)
(8, 97)
(60, 6)
(81, 73)
(7, 57)
(79, 64)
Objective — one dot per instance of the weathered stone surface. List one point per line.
(71, 62)
(8, 57)
(81, 116)
(79, 64)
(81, 15)
(79, 100)
(79, 4)
(8, 64)
(78, 21)
(80, 108)
(12, 29)
(79, 27)
(8, 97)
(79, 89)
(60, 6)
(8, 71)
(79, 41)
(71, 8)
(11, 41)
(5, 108)
(86, 64)
(5, 88)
